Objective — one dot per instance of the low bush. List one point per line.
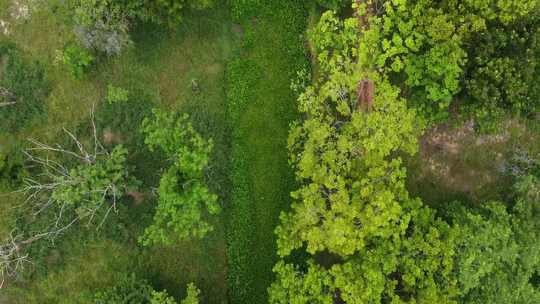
(77, 60)
(116, 94)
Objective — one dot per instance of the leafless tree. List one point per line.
(13, 257)
(39, 190)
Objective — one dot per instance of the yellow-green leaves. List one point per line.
(351, 206)
(294, 286)
(184, 198)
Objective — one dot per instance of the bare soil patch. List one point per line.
(455, 162)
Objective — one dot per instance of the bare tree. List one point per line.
(13, 257)
(54, 187)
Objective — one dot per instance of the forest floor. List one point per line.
(455, 163)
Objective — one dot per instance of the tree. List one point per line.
(414, 268)
(130, 289)
(503, 49)
(351, 190)
(182, 190)
(67, 187)
(366, 240)
(91, 187)
(192, 295)
(294, 286)
(418, 46)
(352, 203)
(497, 250)
(485, 49)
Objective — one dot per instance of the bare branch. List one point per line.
(5, 104)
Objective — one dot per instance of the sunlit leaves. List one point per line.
(184, 197)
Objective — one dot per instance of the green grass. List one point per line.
(249, 169)
(261, 107)
(158, 71)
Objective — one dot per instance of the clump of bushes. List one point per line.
(116, 94)
(130, 289)
(103, 25)
(77, 60)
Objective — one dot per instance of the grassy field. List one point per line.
(261, 107)
(158, 71)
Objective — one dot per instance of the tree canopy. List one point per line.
(184, 197)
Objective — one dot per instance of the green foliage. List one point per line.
(419, 46)
(340, 154)
(416, 268)
(294, 286)
(497, 250)
(192, 295)
(243, 9)
(131, 290)
(183, 193)
(103, 25)
(335, 41)
(77, 60)
(334, 4)
(128, 289)
(23, 86)
(244, 74)
(161, 297)
(123, 117)
(489, 230)
(116, 94)
(171, 11)
(488, 50)
(89, 186)
(502, 67)
(352, 202)
(12, 169)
